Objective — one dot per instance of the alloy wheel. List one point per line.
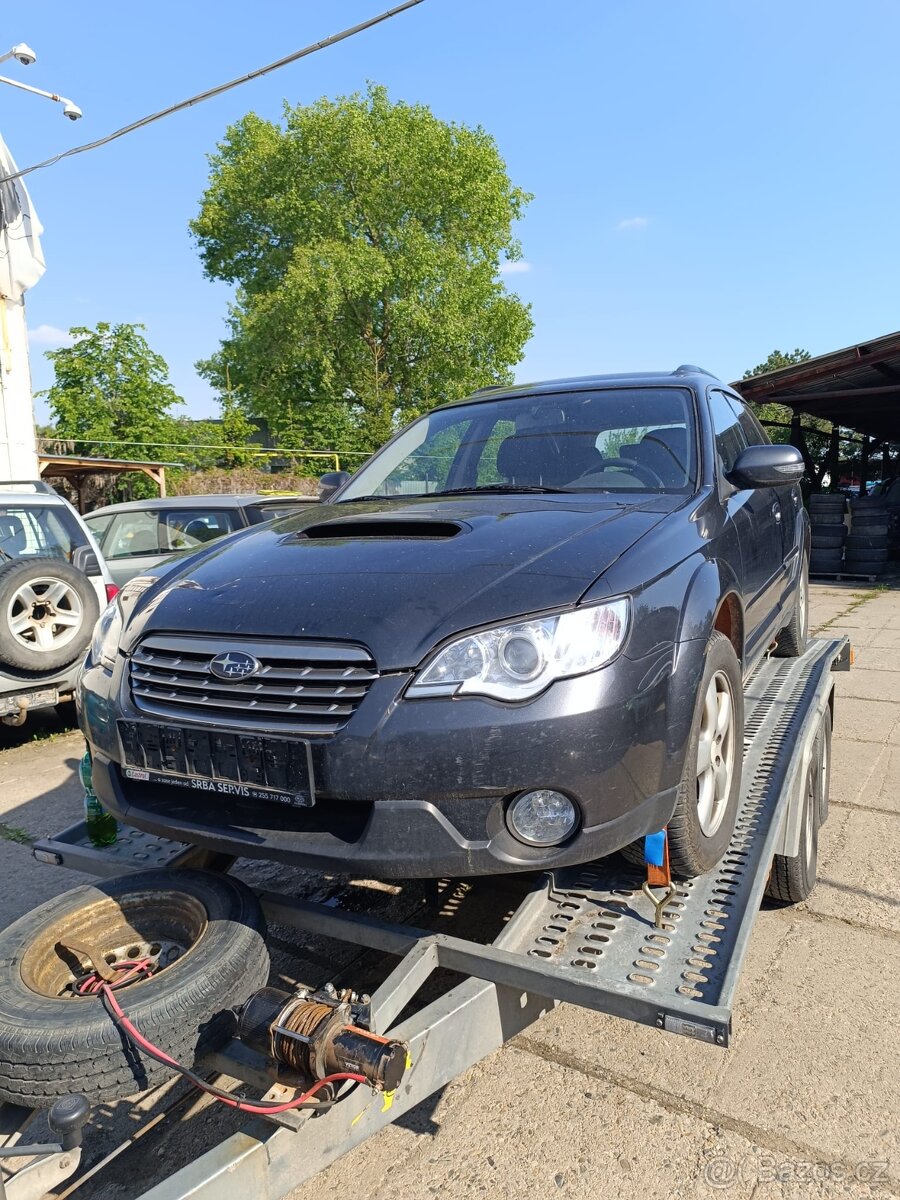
(45, 614)
(715, 753)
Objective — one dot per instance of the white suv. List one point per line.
(53, 586)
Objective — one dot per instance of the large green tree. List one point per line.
(111, 398)
(110, 389)
(365, 238)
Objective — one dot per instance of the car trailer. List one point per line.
(592, 935)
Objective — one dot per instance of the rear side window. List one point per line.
(184, 530)
(35, 531)
(730, 437)
(148, 531)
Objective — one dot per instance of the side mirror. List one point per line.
(331, 482)
(85, 560)
(767, 466)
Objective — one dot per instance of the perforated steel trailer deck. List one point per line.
(584, 935)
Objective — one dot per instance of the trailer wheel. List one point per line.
(206, 934)
(823, 748)
(792, 878)
(703, 821)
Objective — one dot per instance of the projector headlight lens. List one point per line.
(516, 662)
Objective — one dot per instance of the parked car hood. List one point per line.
(399, 576)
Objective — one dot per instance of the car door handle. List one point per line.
(776, 511)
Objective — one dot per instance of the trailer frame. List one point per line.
(583, 935)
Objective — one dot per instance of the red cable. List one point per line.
(262, 1109)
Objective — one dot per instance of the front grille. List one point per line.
(304, 687)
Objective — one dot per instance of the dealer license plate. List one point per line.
(226, 764)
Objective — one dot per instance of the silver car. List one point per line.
(141, 534)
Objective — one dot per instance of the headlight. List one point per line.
(108, 630)
(515, 662)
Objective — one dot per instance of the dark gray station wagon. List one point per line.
(516, 638)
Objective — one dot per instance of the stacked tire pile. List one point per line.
(829, 533)
(866, 549)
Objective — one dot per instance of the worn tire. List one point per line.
(823, 500)
(823, 750)
(793, 877)
(825, 562)
(792, 639)
(867, 541)
(869, 519)
(832, 540)
(828, 517)
(51, 1045)
(16, 575)
(866, 558)
(691, 851)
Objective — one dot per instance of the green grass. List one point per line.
(12, 833)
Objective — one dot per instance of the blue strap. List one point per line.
(654, 848)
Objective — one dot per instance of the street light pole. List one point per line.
(21, 266)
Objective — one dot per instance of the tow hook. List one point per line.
(18, 718)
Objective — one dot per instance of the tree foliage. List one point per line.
(111, 398)
(815, 432)
(110, 389)
(365, 239)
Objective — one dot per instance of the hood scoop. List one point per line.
(380, 527)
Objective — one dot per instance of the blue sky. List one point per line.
(712, 179)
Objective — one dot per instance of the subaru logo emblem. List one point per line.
(234, 665)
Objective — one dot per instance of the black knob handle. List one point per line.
(67, 1118)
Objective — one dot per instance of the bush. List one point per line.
(237, 479)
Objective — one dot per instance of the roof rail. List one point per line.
(690, 369)
(491, 387)
(38, 485)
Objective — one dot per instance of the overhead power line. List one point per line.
(217, 91)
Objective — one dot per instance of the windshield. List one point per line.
(38, 531)
(611, 440)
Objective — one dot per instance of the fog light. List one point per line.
(542, 818)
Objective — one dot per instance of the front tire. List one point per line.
(793, 639)
(706, 808)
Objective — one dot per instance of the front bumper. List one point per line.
(419, 788)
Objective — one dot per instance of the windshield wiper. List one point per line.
(502, 487)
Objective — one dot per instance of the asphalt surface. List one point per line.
(803, 1103)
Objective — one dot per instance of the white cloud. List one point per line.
(633, 223)
(49, 335)
(519, 267)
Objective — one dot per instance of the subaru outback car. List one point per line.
(516, 638)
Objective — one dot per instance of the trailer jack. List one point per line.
(54, 1162)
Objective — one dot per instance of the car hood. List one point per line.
(399, 577)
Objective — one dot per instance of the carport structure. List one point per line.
(857, 389)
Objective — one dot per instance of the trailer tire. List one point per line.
(793, 877)
(53, 1043)
(696, 846)
(823, 748)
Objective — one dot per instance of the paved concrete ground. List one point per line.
(804, 1103)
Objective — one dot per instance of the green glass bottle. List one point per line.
(102, 827)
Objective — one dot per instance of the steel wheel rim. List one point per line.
(45, 614)
(164, 926)
(715, 753)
